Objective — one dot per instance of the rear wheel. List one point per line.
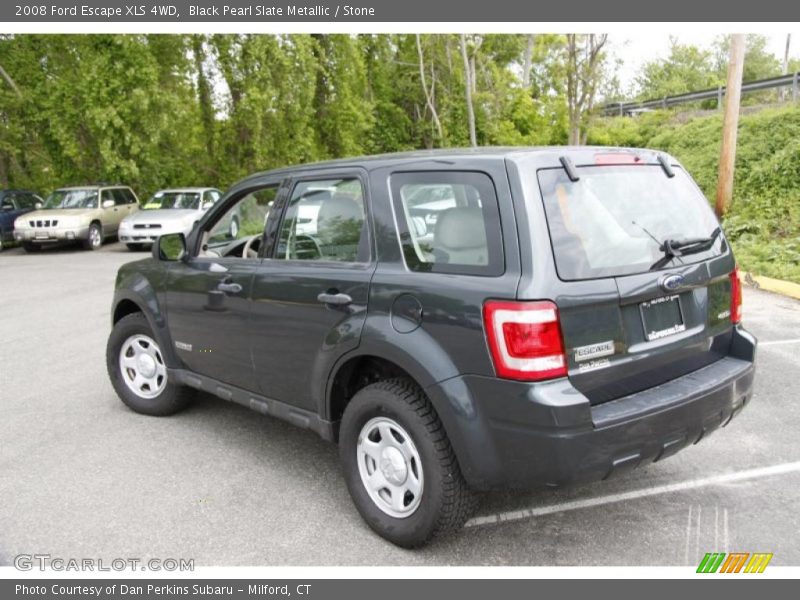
(95, 238)
(138, 372)
(399, 465)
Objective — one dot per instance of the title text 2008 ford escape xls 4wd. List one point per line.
(456, 320)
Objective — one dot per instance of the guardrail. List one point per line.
(629, 108)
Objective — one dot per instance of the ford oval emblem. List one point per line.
(670, 283)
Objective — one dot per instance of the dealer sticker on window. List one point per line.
(593, 351)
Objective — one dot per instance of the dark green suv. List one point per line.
(455, 320)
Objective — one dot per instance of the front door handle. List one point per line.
(227, 286)
(335, 299)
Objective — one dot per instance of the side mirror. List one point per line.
(207, 205)
(170, 247)
(7, 208)
(38, 205)
(108, 204)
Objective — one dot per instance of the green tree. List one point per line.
(686, 69)
(759, 63)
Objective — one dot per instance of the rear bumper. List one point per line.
(513, 434)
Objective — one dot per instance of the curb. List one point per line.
(777, 286)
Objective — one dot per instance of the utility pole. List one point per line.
(468, 84)
(782, 93)
(730, 124)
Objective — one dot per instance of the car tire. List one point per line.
(134, 247)
(132, 333)
(30, 247)
(94, 238)
(444, 502)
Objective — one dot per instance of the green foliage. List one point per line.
(155, 111)
(687, 69)
(759, 63)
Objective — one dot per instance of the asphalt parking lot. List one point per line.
(83, 476)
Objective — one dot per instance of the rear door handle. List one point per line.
(335, 299)
(227, 286)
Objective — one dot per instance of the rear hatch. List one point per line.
(645, 284)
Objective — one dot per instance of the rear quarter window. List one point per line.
(448, 222)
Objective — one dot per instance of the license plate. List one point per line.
(42, 235)
(662, 317)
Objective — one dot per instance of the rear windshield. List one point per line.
(615, 219)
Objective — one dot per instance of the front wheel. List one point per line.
(400, 468)
(95, 238)
(138, 371)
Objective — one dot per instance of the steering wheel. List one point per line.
(304, 247)
(250, 249)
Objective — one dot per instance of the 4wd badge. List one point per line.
(594, 350)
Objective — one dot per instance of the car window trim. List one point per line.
(293, 181)
(402, 227)
(222, 205)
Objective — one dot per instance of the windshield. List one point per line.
(183, 200)
(72, 199)
(615, 220)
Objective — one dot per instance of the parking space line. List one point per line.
(682, 486)
(777, 342)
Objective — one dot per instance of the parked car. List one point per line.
(14, 203)
(168, 211)
(554, 315)
(85, 214)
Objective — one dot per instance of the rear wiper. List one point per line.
(692, 246)
(676, 248)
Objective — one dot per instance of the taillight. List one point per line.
(736, 296)
(525, 339)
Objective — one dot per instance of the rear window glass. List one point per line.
(614, 220)
(449, 222)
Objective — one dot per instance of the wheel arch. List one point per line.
(144, 300)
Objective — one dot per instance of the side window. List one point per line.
(212, 196)
(107, 195)
(130, 196)
(120, 197)
(8, 201)
(244, 219)
(26, 201)
(449, 222)
(325, 220)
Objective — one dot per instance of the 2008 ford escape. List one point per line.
(455, 320)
